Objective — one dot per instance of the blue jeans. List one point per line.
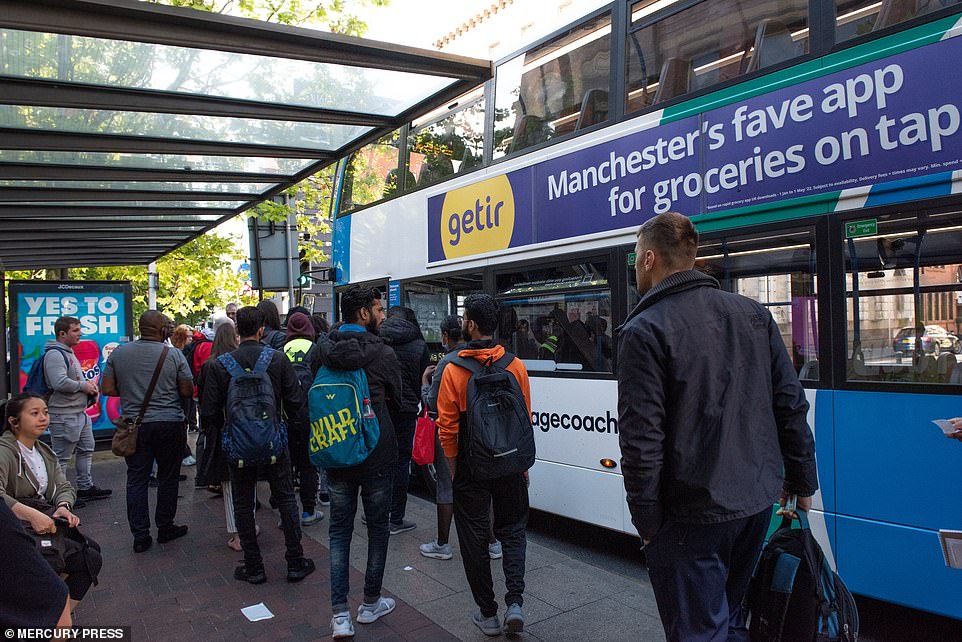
(376, 496)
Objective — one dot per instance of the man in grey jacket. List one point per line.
(71, 432)
(712, 426)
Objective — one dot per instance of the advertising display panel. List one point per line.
(106, 320)
(888, 129)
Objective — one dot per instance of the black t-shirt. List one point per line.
(31, 594)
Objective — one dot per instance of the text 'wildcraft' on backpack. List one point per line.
(495, 436)
(344, 429)
(795, 596)
(254, 433)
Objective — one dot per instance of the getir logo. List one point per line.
(477, 218)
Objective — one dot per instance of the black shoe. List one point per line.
(217, 489)
(94, 493)
(182, 478)
(141, 545)
(171, 533)
(78, 504)
(253, 576)
(152, 482)
(299, 571)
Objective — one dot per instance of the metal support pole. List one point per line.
(287, 249)
(152, 286)
(6, 379)
(257, 257)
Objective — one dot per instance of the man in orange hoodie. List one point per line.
(508, 495)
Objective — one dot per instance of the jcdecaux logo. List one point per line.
(478, 218)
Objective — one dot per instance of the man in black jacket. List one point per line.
(401, 332)
(354, 346)
(710, 414)
(289, 396)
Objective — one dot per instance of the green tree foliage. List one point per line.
(192, 281)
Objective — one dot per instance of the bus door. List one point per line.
(432, 300)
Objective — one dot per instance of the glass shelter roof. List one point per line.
(128, 128)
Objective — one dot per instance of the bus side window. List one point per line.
(904, 301)
(779, 273)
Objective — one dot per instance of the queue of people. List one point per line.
(704, 454)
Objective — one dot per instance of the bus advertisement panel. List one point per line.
(104, 311)
(884, 126)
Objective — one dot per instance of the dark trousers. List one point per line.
(375, 492)
(508, 496)
(404, 424)
(163, 442)
(700, 573)
(243, 488)
(306, 471)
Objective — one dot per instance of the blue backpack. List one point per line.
(36, 380)
(344, 429)
(254, 433)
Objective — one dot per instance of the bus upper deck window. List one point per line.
(668, 59)
(555, 89)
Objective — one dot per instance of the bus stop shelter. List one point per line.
(127, 129)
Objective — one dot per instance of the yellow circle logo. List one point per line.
(477, 218)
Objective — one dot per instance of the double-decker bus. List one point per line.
(817, 146)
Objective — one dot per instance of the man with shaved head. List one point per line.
(162, 436)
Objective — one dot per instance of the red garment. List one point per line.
(201, 355)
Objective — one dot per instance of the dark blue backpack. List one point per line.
(36, 380)
(795, 596)
(344, 429)
(254, 433)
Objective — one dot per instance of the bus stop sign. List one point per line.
(868, 227)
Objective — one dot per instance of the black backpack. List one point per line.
(795, 596)
(496, 436)
(300, 359)
(189, 350)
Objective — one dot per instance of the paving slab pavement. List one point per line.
(184, 590)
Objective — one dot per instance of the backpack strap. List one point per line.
(263, 361)
(468, 363)
(504, 361)
(66, 362)
(230, 364)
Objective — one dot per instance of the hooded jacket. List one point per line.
(412, 353)
(710, 410)
(452, 395)
(17, 481)
(346, 350)
(65, 378)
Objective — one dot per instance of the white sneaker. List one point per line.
(341, 625)
(494, 550)
(188, 461)
(367, 613)
(434, 551)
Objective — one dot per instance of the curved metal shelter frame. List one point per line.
(127, 129)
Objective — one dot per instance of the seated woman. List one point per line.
(29, 474)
